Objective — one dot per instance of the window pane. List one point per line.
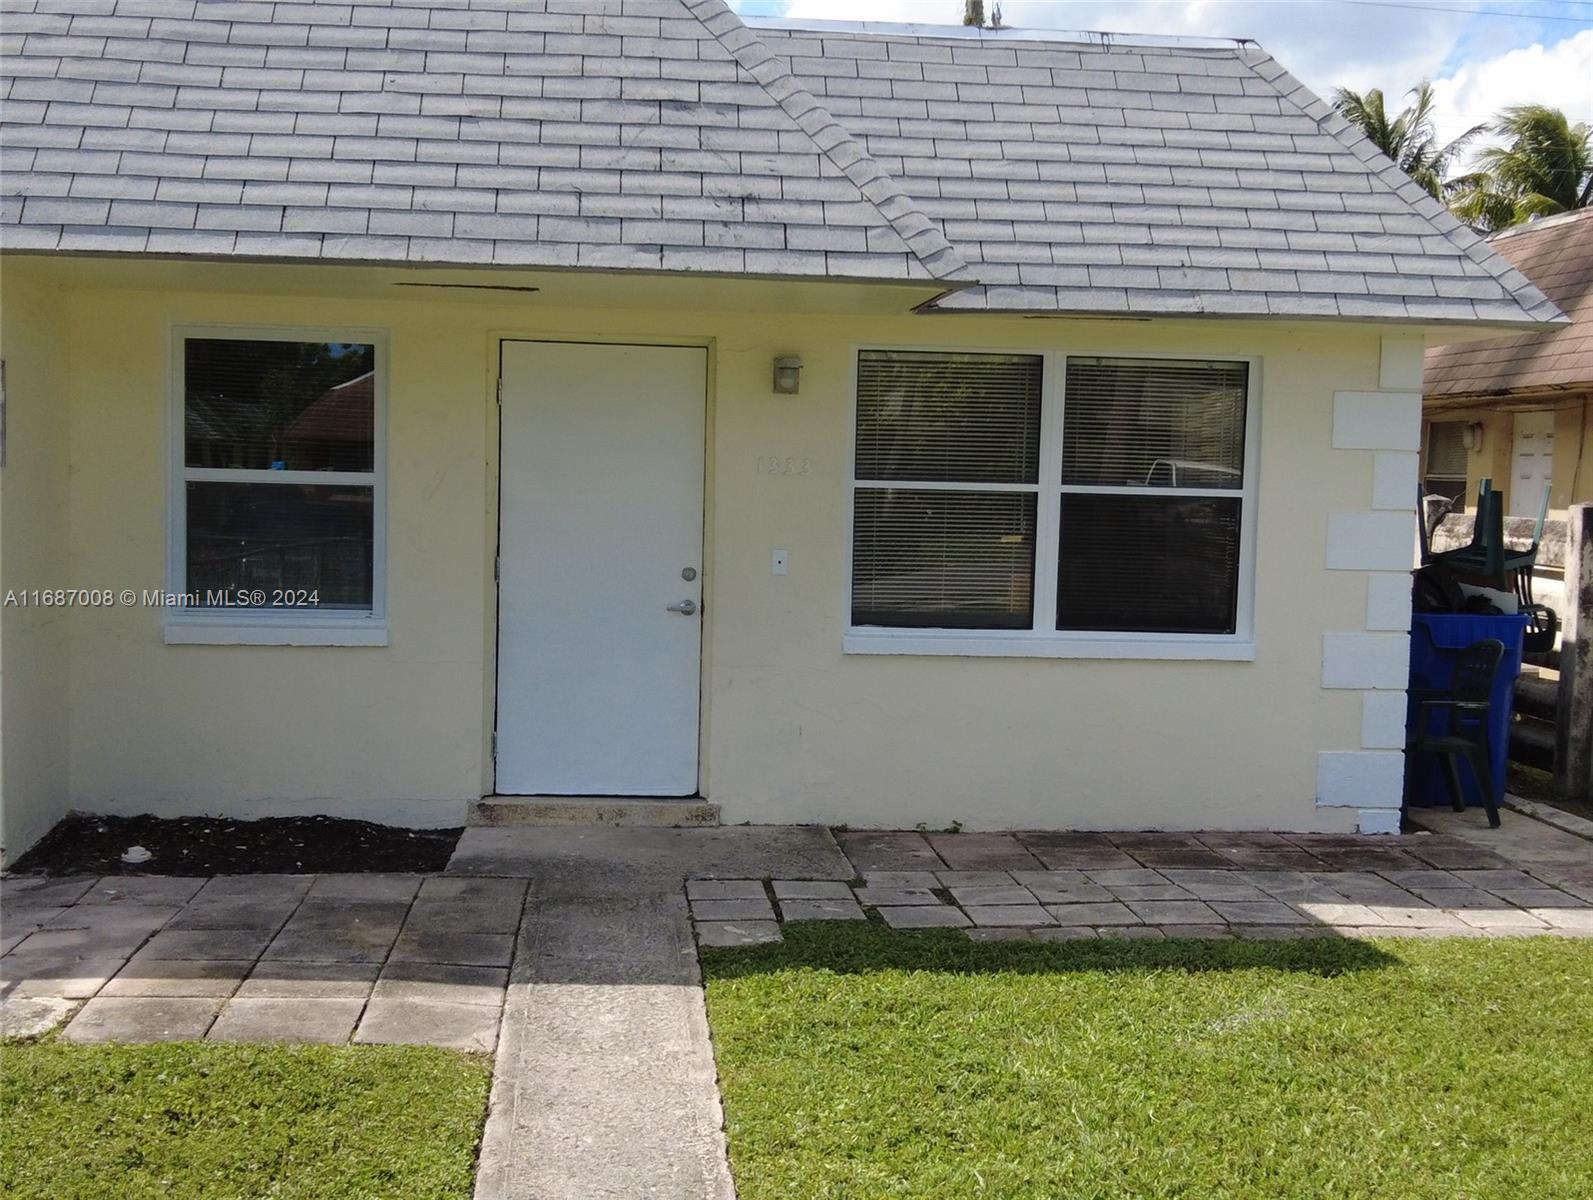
(269, 535)
(1446, 449)
(927, 559)
(948, 418)
(1149, 564)
(287, 406)
(1133, 422)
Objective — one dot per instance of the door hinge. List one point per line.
(500, 391)
(494, 743)
(497, 562)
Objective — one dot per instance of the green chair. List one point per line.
(1453, 722)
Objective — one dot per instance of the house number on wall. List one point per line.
(773, 464)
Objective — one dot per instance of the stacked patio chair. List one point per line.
(1452, 722)
(1486, 561)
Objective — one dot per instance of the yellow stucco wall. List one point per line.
(1573, 453)
(794, 729)
(34, 647)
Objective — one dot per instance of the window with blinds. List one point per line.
(947, 471)
(1445, 473)
(989, 497)
(279, 483)
(1153, 452)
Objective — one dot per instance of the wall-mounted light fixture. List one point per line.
(1471, 439)
(787, 375)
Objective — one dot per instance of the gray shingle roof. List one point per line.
(1142, 178)
(653, 134)
(665, 135)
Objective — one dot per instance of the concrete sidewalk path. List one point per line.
(1547, 851)
(605, 1084)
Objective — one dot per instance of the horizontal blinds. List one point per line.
(948, 418)
(273, 405)
(1130, 422)
(1446, 449)
(1148, 564)
(943, 559)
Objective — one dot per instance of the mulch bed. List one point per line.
(212, 846)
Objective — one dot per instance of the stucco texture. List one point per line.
(793, 728)
(34, 646)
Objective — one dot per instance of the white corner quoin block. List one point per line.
(1360, 779)
(1383, 721)
(1388, 602)
(1371, 541)
(1366, 661)
(1377, 420)
(1377, 820)
(1394, 480)
(1400, 364)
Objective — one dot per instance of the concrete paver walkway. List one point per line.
(327, 958)
(581, 941)
(1258, 885)
(1556, 856)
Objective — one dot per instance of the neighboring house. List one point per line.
(1516, 409)
(879, 426)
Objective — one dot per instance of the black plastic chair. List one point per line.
(1453, 722)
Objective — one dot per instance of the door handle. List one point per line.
(685, 608)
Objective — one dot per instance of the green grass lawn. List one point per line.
(247, 1122)
(857, 1063)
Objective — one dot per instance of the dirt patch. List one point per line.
(212, 846)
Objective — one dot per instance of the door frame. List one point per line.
(494, 453)
(1529, 504)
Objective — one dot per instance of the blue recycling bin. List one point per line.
(1435, 640)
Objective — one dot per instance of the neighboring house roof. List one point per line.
(345, 412)
(1556, 253)
(1033, 176)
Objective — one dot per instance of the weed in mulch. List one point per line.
(214, 846)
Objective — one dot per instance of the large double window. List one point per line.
(1047, 503)
(278, 496)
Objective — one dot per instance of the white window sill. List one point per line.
(275, 631)
(962, 643)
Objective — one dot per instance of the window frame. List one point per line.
(183, 625)
(1428, 426)
(1038, 642)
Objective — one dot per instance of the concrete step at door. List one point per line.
(595, 811)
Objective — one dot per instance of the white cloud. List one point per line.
(1560, 76)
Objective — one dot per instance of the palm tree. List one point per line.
(1545, 168)
(1409, 139)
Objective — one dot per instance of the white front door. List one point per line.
(1531, 462)
(600, 569)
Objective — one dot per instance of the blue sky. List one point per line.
(1481, 54)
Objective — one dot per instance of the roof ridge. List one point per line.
(1544, 222)
(924, 238)
(1332, 123)
(1023, 34)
